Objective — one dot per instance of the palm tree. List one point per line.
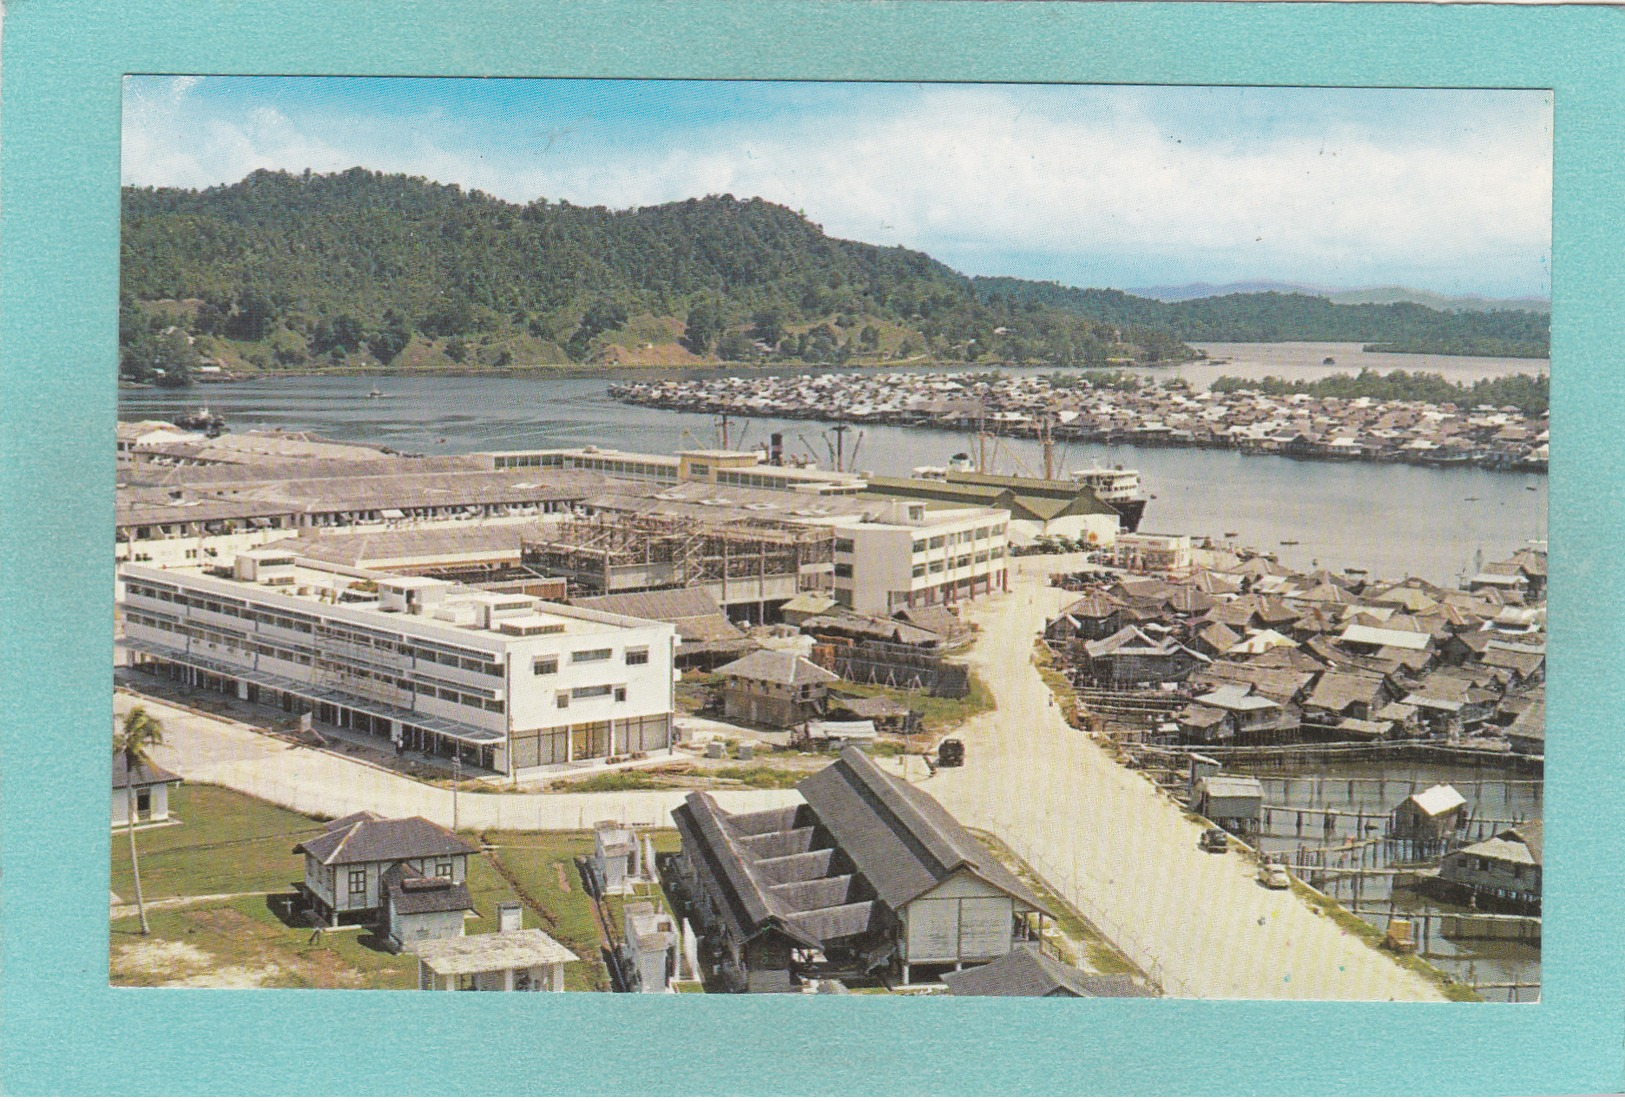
(139, 733)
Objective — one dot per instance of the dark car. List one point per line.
(951, 753)
(1215, 841)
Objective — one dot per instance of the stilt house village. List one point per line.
(720, 722)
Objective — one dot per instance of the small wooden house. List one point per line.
(1233, 802)
(1504, 870)
(1429, 818)
(775, 689)
(346, 866)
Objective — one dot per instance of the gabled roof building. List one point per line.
(869, 874)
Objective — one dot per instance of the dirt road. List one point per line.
(1125, 855)
(207, 749)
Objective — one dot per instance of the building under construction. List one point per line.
(750, 568)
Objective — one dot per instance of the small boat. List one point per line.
(376, 393)
(1289, 542)
(1470, 498)
(1328, 362)
(1231, 534)
(1532, 489)
(1355, 570)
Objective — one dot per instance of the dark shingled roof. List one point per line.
(695, 615)
(747, 907)
(1025, 972)
(415, 893)
(902, 841)
(777, 667)
(359, 839)
(145, 773)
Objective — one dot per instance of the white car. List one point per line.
(1274, 876)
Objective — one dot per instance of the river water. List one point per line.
(1391, 520)
(1495, 796)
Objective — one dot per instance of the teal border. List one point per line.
(65, 1031)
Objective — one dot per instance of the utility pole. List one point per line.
(456, 779)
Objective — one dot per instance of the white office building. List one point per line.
(905, 555)
(503, 682)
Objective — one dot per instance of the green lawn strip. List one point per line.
(1101, 956)
(566, 916)
(242, 936)
(1053, 676)
(225, 843)
(1355, 926)
(938, 714)
(684, 778)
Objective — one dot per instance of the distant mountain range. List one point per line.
(1361, 296)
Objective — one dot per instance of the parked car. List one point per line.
(1274, 876)
(951, 753)
(1215, 841)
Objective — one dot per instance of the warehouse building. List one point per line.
(503, 682)
(869, 875)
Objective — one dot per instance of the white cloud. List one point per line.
(974, 174)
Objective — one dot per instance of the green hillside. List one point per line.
(1273, 316)
(360, 269)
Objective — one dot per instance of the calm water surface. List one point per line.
(1391, 520)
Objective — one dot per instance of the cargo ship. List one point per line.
(1118, 488)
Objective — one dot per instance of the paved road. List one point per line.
(207, 749)
(1125, 855)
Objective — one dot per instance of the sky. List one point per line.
(1088, 185)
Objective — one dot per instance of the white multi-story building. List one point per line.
(904, 555)
(501, 681)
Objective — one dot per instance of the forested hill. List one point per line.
(357, 267)
(1273, 316)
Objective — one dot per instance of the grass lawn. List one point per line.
(687, 777)
(232, 844)
(938, 714)
(1088, 948)
(540, 869)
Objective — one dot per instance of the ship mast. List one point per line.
(1049, 448)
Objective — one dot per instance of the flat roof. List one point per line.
(370, 614)
(492, 952)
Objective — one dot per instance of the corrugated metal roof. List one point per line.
(1025, 972)
(1437, 800)
(902, 840)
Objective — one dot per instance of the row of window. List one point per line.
(954, 538)
(423, 686)
(470, 660)
(562, 698)
(548, 664)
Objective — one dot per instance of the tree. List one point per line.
(768, 326)
(391, 339)
(166, 358)
(342, 331)
(139, 733)
(701, 329)
(253, 317)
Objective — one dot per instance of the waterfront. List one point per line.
(1394, 520)
(1494, 795)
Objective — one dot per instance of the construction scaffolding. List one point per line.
(737, 560)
